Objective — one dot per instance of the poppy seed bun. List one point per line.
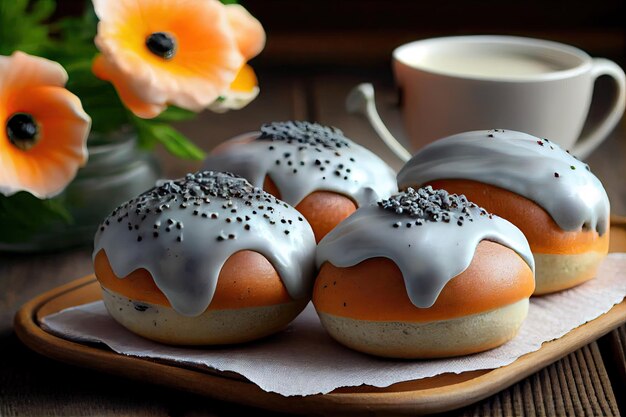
(426, 274)
(250, 302)
(207, 259)
(315, 168)
(550, 195)
(563, 259)
(323, 209)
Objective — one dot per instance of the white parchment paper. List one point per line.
(304, 360)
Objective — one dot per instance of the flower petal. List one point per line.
(241, 92)
(233, 100)
(111, 9)
(51, 164)
(205, 62)
(103, 70)
(21, 70)
(248, 31)
(245, 81)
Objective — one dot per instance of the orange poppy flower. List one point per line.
(241, 92)
(185, 53)
(43, 142)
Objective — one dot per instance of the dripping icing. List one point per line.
(429, 234)
(183, 231)
(529, 166)
(303, 157)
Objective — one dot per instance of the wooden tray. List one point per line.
(430, 395)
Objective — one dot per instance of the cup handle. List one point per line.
(601, 130)
(360, 100)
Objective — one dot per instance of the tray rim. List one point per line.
(226, 388)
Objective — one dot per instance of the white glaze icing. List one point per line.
(526, 165)
(183, 231)
(302, 157)
(430, 235)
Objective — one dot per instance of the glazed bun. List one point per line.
(207, 259)
(424, 274)
(551, 196)
(315, 168)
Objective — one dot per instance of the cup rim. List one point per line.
(584, 65)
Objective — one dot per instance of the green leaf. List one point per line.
(22, 215)
(74, 37)
(151, 132)
(42, 10)
(178, 144)
(175, 114)
(22, 25)
(146, 138)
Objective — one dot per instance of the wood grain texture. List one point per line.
(567, 387)
(613, 348)
(361, 32)
(419, 397)
(33, 385)
(613, 345)
(337, 47)
(24, 276)
(332, 32)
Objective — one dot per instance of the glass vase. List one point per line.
(117, 171)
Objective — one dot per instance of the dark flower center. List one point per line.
(22, 131)
(161, 44)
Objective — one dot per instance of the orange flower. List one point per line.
(43, 142)
(242, 91)
(185, 53)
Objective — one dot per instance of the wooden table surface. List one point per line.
(590, 381)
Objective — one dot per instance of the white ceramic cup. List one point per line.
(463, 83)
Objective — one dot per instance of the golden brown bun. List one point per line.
(323, 209)
(542, 232)
(250, 302)
(436, 339)
(374, 289)
(366, 306)
(563, 259)
(247, 279)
